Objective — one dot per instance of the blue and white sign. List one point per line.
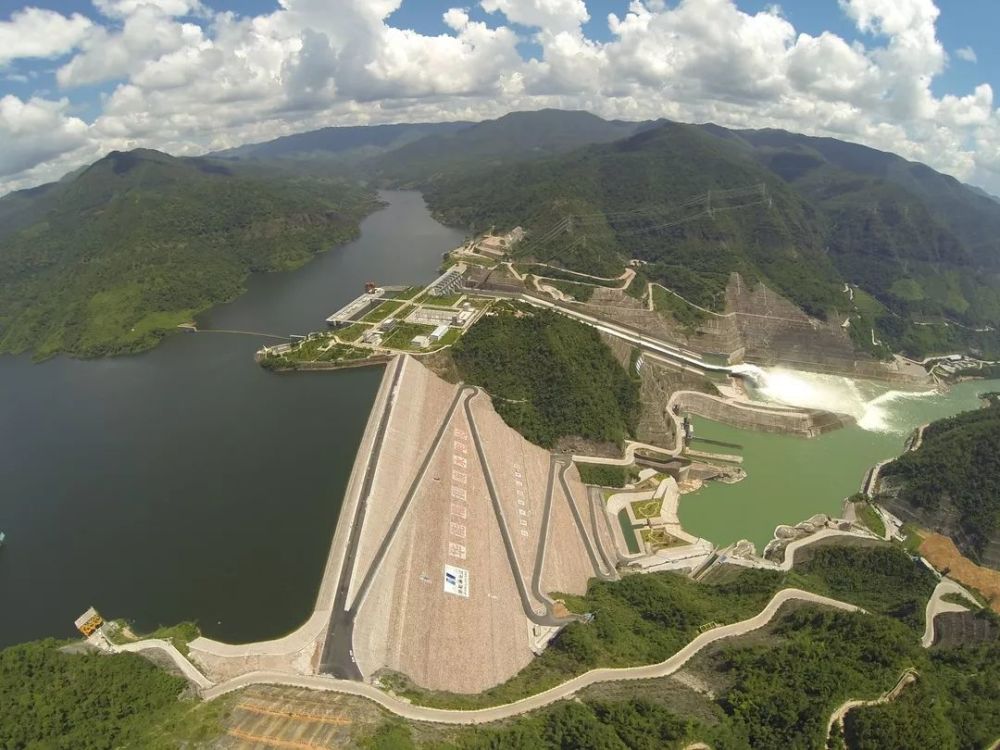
(456, 581)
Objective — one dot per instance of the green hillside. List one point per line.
(804, 215)
(518, 136)
(346, 143)
(91, 701)
(110, 259)
(957, 467)
(649, 197)
(550, 377)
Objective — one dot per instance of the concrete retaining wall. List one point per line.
(766, 418)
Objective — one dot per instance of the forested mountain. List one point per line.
(955, 474)
(648, 197)
(405, 154)
(346, 143)
(804, 215)
(550, 377)
(515, 137)
(110, 258)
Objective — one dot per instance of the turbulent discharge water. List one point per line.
(872, 410)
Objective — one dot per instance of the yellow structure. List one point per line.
(88, 622)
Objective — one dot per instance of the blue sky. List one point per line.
(962, 23)
(80, 77)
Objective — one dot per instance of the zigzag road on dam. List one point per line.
(338, 652)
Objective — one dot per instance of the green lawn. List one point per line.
(447, 300)
(383, 311)
(870, 518)
(646, 508)
(409, 293)
(352, 332)
(659, 539)
(453, 335)
(402, 335)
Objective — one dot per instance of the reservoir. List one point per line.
(186, 483)
(791, 478)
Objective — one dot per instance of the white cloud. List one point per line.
(34, 32)
(191, 87)
(966, 53)
(548, 15)
(123, 8)
(147, 35)
(36, 131)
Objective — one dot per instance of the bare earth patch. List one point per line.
(942, 553)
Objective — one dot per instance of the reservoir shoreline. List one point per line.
(184, 470)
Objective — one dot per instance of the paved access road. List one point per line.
(936, 606)
(547, 618)
(837, 717)
(565, 690)
(156, 644)
(338, 652)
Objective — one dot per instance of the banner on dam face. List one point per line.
(456, 581)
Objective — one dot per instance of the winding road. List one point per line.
(568, 689)
(407, 710)
(936, 605)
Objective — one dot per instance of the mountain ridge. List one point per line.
(140, 241)
(921, 249)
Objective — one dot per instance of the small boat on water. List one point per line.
(2, 537)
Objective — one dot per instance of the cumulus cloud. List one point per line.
(147, 35)
(124, 8)
(34, 32)
(966, 53)
(188, 79)
(36, 131)
(550, 16)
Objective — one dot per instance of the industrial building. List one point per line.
(358, 307)
(446, 283)
(437, 334)
(430, 316)
(499, 246)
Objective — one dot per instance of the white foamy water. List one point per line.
(871, 406)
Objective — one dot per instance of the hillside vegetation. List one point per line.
(769, 692)
(110, 259)
(515, 137)
(803, 215)
(643, 619)
(549, 377)
(49, 699)
(624, 195)
(957, 466)
(773, 689)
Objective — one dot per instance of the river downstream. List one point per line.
(187, 483)
(791, 478)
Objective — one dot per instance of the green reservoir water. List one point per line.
(791, 478)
